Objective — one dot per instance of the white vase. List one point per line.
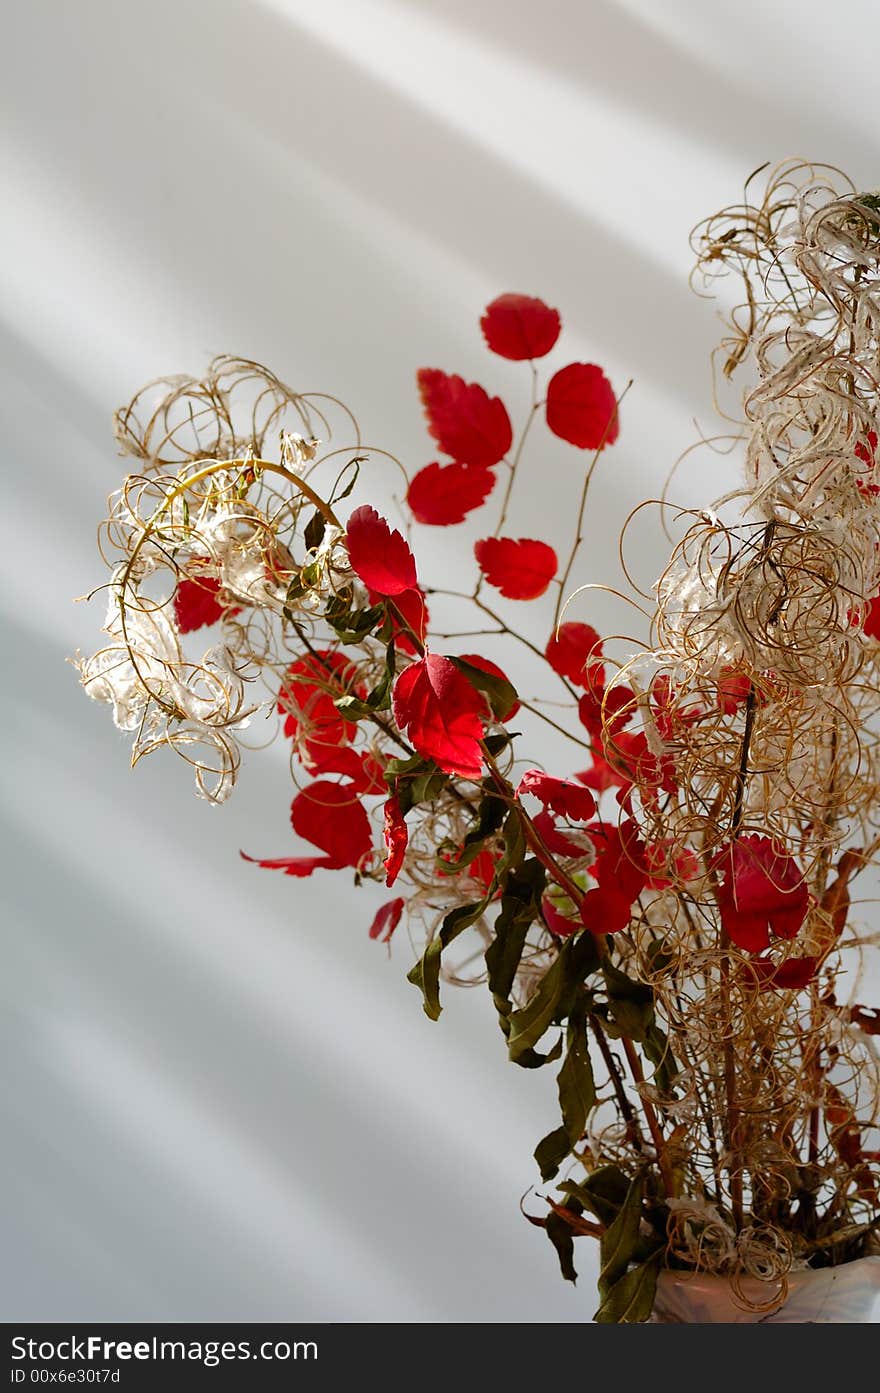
(813, 1296)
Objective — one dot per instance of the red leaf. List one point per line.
(380, 557)
(762, 891)
(396, 839)
(872, 618)
(793, 974)
(557, 922)
(670, 717)
(562, 795)
(387, 919)
(620, 864)
(582, 408)
(407, 611)
(306, 701)
(606, 708)
(521, 570)
(666, 862)
(575, 652)
(333, 819)
(634, 762)
(604, 911)
(561, 843)
(486, 665)
(733, 689)
(360, 767)
(198, 602)
(520, 327)
(466, 422)
(442, 714)
(442, 494)
(600, 776)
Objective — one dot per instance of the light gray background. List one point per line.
(221, 1101)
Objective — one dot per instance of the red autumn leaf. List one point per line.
(408, 613)
(871, 625)
(306, 701)
(198, 602)
(606, 708)
(599, 776)
(604, 911)
(666, 862)
(332, 818)
(575, 652)
(762, 891)
(486, 665)
(634, 762)
(557, 922)
(481, 870)
(442, 494)
(621, 875)
(733, 689)
(562, 842)
(465, 421)
(380, 557)
(569, 799)
(521, 570)
(442, 714)
(866, 451)
(363, 770)
(582, 408)
(671, 716)
(396, 839)
(520, 327)
(387, 919)
(793, 974)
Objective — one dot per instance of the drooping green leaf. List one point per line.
(657, 1049)
(379, 699)
(618, 1243)
(630, 1300)
(426, 973)
(519, 908)
(562, 1238)
(341, 491)
(514, 844)
(497, 742)
(527, 1025)
(603, 1192)
(500, 694)
(551, 1151)
(577, 1088)
(491, 814)
(314, 530)
(630, 1010)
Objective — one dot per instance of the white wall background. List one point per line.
(221, 1100)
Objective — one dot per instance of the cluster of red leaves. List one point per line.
(199, 602)
(762, 892)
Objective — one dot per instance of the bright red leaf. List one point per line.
(520, 327)
(621, 875)
(380, 557)
(665, 862)
(562, 842)
(363, 770)
(442, 714)
(396, 839)
(582, 408)
(557, 922)
(521, 570)
(465, 421)
(599, 776)
(333, 819)
(632, 760)
(306, 701)
(793, 974)
(486, 665)
(442, 494)
(575, 652)
(565, 797)
(387, 919)
(762, 892)
(606, 708)
(198, 602)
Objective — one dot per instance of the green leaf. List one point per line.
(352, 625)
(562, 1238)
(618, 1243)
(603, 1192)
(577, 1089)
(630, 1300)
(426, 973)
(355, 466)
(551, 1151)
(656, 1048)
(427, 786)
(519, 909)
(500, 694)
(496, 743)
(314, 530)
(379, 699)
(514, 844)
(630, 1005)
(529, 1023)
